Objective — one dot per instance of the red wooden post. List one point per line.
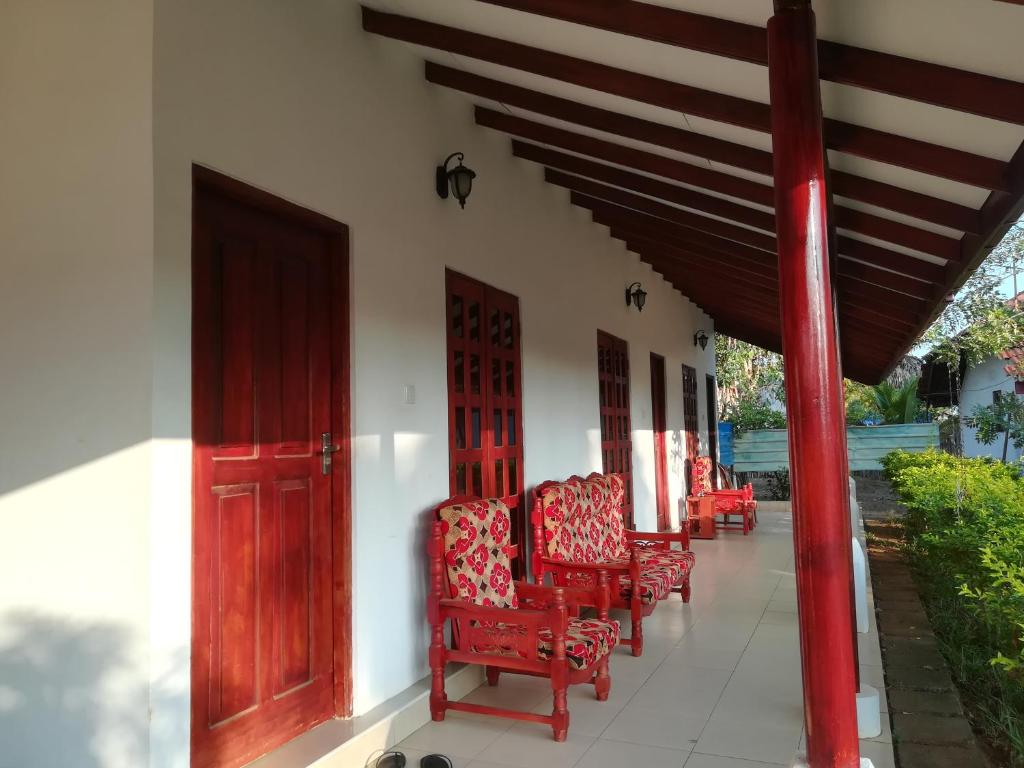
(817, 432)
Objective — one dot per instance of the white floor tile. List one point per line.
(718, 685)
(529, 745)
(462, 736)
(656, 727)
(617, 754)
(715, 761)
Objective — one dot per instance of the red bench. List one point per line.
(509, 626)
(579, 535)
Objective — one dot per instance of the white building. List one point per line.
(220, 232)
(982, 385)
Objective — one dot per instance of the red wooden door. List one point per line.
(690, 430)
(660, 451)
(264, 332)
(616, 430)
(485, 420)
(712, 397)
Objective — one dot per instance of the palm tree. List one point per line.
(897, 405)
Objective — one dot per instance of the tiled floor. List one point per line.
(718, 685)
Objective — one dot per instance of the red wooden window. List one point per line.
(658, 424)
(616, 440)
(690, 418)
(485, 419)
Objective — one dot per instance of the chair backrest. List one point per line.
(582, 519)
(565, 515)
(700, 476)
(477, 551)
(612, 492)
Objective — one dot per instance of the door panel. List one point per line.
(616, 428)
(485, 421)
(660, 451)
(263, 618)
(690, 430)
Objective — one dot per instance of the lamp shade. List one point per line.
(461, 179)
(640, 298)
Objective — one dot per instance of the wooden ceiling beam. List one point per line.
(958, 89)
(752, 292)
(748, 190)
(754, 275)
(922, 156)
(731, 254)
(876, 193)
(618, 185)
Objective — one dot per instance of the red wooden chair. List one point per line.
(728, 501)
(505, 625)
(578, 532)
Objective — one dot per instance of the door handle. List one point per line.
(327, 449)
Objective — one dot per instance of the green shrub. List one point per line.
(965, 539)
(778, 485)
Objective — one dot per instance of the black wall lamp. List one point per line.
(635, 294)
(459, 179)
(700, 339)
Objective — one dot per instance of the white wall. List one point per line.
(105, 107)
(977, 388)
(76, 217)
(306, 105)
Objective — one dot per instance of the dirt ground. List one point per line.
(876, 498)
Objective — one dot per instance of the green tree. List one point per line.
(980, 322)
(897, 405)
(860, 402)
(749, 380)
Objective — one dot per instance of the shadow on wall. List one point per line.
(69, 695)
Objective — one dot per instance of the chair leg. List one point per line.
(603, 681)
(560, 712)
(493, 673)
(438, 697)
(637, 639)
(686, 589)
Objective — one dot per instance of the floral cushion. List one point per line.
(655, 585)
(586, 641)
(671, 557)
(700, 479)
(563, 516)
(610, 490)
(476, 542)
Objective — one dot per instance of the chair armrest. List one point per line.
(639, 536)
(612, 567)
(463, 609)
(574, 596)
(659, 540)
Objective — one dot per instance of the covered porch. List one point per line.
(718, 685)
(247, 187)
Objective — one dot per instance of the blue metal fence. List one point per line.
(768, 450)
